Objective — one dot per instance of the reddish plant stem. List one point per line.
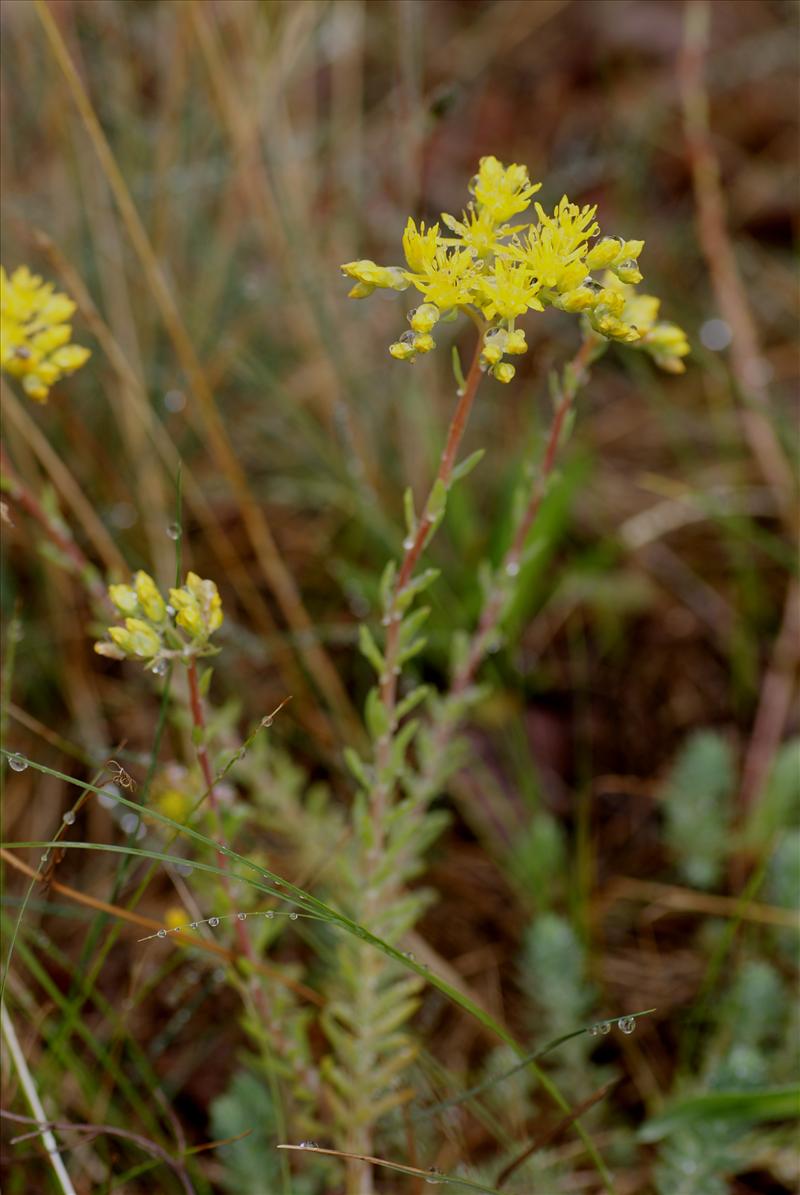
(492, 611)
(774, 701)
(307, 1074)
(66, 545)
(199, 724)
(388, 682)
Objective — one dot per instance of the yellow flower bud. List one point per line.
(580, 299)
(515, 342)
(144, 641)
(150, 599)
(628, 271)
(424, 342)
(124, 598)
(402, 352)
(605, 253)
(111, 650)
(504, 372)
(34, 387)
(424, 318)
(122, 638)
(491, 354)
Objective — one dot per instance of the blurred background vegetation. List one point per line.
(626, 834)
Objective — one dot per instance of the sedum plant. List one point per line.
(495, 268)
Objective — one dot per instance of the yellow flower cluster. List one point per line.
(34, 333)
(156, 630)
(499, 271)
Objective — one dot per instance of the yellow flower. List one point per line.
(447, 278)
(34, 333)
(508, 292)
(488, 269)
(420, 247)
(477, 231)
(502, 191)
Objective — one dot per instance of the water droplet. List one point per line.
(407, 337)
(512, 568)
(170, 610)
(293, 916)
(594, 1030)
(108, 796)
(308, 1145)
(162, 933)
(160, 667)
(129, 823)
(433, 1182)
(277, 883)
(241, 916)
(174, 400)
(269, 914)
(604, 1028)
(194, 924)
(592, 284)
(174, 531)
(213, 922)
(69, 818)
(409, 954)
(627, 1024)
(184, 869)
(17, 763)
(44, 858)
(716, 334)
(408, 543)
(387, 619)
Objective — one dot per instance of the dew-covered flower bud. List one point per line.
(604, 253)
(402, 352)
(628, 271)
(425, 317)
(504, 372)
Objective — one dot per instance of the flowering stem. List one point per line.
(199, 725)
(388, 683)
(575, 376)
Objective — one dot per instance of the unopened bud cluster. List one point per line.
(156, 629)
